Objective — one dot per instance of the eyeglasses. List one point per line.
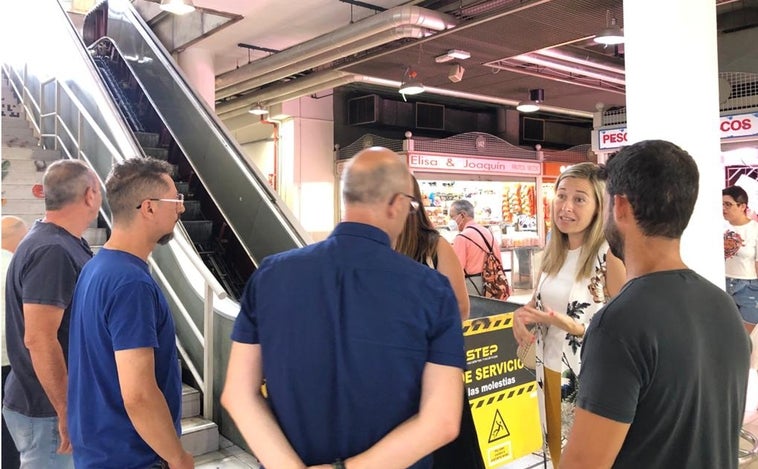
(415, 204)
(179, 200)
(729, 204)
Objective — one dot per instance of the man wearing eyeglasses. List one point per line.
(362, 346)
(125, 385)
(472, 245)
(39, 286)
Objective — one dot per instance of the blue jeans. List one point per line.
(37, 439)
(745, 294)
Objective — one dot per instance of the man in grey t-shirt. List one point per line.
(665, 363)
(39, 288)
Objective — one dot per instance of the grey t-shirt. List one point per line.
(43, 271)
(670, 356)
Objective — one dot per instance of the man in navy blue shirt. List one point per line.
(125, 386)
(39, 286)
(361, 347)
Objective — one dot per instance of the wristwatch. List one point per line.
(338, 464)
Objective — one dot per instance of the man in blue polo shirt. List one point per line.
(361, 347)
(39, 286)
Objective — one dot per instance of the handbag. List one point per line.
(527, 353)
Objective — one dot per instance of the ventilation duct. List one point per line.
(299, 58)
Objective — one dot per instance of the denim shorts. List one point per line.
(745, 294)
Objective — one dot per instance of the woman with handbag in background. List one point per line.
(422, 243)
(579, 274)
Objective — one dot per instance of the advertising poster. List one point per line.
(501, 391)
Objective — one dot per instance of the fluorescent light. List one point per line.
(178, 7)
(258, 110)
(410, 84)
(611, 34)
(411, 87)
(451, 55)
(536, 96)
(527, 106)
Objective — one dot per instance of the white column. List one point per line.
(197, 64)
(672, 94)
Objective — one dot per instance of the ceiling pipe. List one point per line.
(401, 32)
(579, 58)
(570, 81)
(272, 92)
(287, 61)
(568, 68)
(328, 80)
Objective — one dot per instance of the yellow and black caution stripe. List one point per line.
(506, 394)
(488, 324)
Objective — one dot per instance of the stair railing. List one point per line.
(71, 121)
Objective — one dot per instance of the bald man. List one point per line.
(362, 346)
(13, 230)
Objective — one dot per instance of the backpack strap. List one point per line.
(474, 242)
(486, 243)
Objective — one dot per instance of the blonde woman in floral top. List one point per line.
(579, 274)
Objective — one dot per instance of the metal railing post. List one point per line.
(208, 352)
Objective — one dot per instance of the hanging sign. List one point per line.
(741, 125)
(736, 126)
(464, 164)
(502, 393)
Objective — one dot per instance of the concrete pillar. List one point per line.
(197, 65)
(672, 94)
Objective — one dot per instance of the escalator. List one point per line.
(209, 232)
(233, 217)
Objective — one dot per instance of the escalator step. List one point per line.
(160, 153)
(192, 211)
(182, 187)
(147, 139)
(199, 231)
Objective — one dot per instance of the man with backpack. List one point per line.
(478, 253)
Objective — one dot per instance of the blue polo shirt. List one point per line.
(346, 327)
(43, 271)
(117, 306)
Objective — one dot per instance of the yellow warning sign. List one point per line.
(501, 391)
(499, 429)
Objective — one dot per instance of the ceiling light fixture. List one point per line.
(452, 54)
(258, 110)
(536, 96)
(178, 7)
(612, 33)
(411, 84)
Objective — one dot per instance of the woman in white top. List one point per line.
(579, 274)
(741, 254)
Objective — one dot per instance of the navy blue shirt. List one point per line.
(117, 306)
(43, 271)
(346, 327)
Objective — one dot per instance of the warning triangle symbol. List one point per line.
(499, 430)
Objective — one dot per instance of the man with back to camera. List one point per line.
(13, 231)
(362, 346)
(39, 287)
(471, 245)
(665, 363)
(125, 386)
